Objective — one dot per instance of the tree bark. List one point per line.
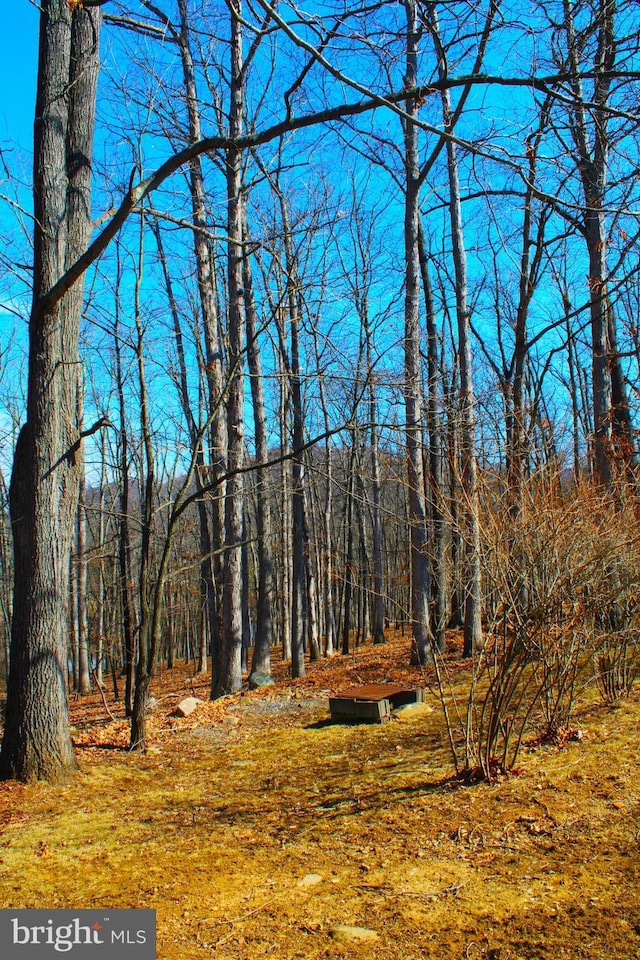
(44, 484)
(81, 572)
(264, 613)
(611, 416)
(214, 366)
(435, 485)
(124, 537)
(230, 674)
(470, 504)
(208, 596)
(420, 582)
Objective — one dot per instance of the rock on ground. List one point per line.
(412, 711)
(347, 934)
(259, 680)
(310, 880)
(187, 706)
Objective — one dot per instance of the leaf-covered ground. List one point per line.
(255, 828)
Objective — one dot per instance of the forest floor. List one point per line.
(255, 828)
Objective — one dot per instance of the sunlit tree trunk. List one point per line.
(44, 484)
(207, 582)
(435, 485)
(124, 538)
(420, 582)
(214, 366)
(81, 571)
(230, 673)
(264, 613)
(470, 503)
(590, 121)
(327, 556)
(146, 652)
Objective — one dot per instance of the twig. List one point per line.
(243, 916)
(104, 699)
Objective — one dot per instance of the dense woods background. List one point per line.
(332, 324)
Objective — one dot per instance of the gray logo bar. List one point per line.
(79, 934)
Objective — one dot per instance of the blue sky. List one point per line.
(18, 70)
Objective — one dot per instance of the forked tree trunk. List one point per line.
(44, 484)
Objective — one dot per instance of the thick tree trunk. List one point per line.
(44, 484)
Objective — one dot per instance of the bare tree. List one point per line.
(420, 582)
(45, 478)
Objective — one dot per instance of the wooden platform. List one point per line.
(371, 702)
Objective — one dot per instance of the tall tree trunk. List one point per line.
(470, 504)
(378, 622)
(264, 613)
(327, 559)
(312, 593)
(420, 582)
(208, 596)
(298, 615)
(81, 574)
(44, 484)
(246, 612)
(610, 406)
(286, 511)
(230, 675)
(435, 486)
(102, 586)
(214, 366)
(301, 620)
(348, 574)
(145, 659)
(124, 538)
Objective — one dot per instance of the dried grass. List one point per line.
(217, 828)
